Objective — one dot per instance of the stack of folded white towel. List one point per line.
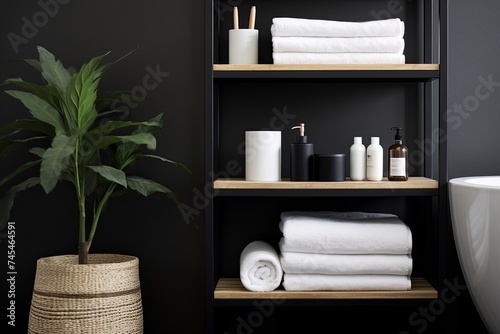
(309, 41)
(325, 250)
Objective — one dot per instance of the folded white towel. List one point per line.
(288, 58)
(314, 282)
(344, 233)
(338, 44)
(313, 263)
(260, 268)
(287, 26)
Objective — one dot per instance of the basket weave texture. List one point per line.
(103, 296)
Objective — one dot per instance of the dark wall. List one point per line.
(474, 112)
(474, 118)
(169, 36)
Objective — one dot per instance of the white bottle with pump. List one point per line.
(357, 160)
(374, 160)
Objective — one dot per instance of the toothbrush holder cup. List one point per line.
(243, 46)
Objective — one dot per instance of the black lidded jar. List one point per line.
(329, 167)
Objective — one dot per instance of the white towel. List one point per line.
(287, 26)
(331, 232)
(314, 282)
(338, 45)
(295, 58)
(313, 263)
(260, 268)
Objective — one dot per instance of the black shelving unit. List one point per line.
(243, 97)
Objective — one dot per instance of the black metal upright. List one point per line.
(445, 231)
(209, 164)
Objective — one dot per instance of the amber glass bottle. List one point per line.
(397, 159)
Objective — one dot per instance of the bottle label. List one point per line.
(370, 161)
(398, 167)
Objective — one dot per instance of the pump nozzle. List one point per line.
(302, 128)
(398, 132)
(301, 138)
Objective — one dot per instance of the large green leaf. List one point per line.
(111, 174)
(106, 99)
(7, 146)
(141, 139)
(38, 151)
(82, 94)
(19, 170)
(35, 63)
(175, 163)
(146, 187)
(55, 160)
(107, 127)
(26, 125)
(7, 201)
(157, 124)
(40, 109)
(47, 93)
(53, 70)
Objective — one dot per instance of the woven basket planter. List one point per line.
(102, 297)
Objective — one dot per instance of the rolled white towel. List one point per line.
(316, 282)
(288, 26)
(345, 264)
(296, 58)
(339, 44)
(330, 232)
(260, 268)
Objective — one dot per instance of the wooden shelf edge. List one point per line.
(412, 183)
(327, 67)
(231, 288)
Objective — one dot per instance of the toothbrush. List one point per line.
(251, 25)
(235, 18)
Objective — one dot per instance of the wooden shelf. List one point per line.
(327, 67)
(412, 183)
(415, 186)
(231, 288)
(403, 72)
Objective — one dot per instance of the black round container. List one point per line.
(329, 167)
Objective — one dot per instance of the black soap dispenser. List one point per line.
(398, 159)
(301, 157)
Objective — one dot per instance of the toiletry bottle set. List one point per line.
(366, 163)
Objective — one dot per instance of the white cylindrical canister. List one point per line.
(263, 156)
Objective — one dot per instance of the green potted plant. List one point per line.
(75, 137)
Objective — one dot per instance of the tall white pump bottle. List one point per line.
(374, 160)
(357, 162)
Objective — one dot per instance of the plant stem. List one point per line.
(82, 253)
(97, 213)
(79, 181)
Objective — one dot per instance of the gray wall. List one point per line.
(473, 109)
(170, 35)
(474, 116)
